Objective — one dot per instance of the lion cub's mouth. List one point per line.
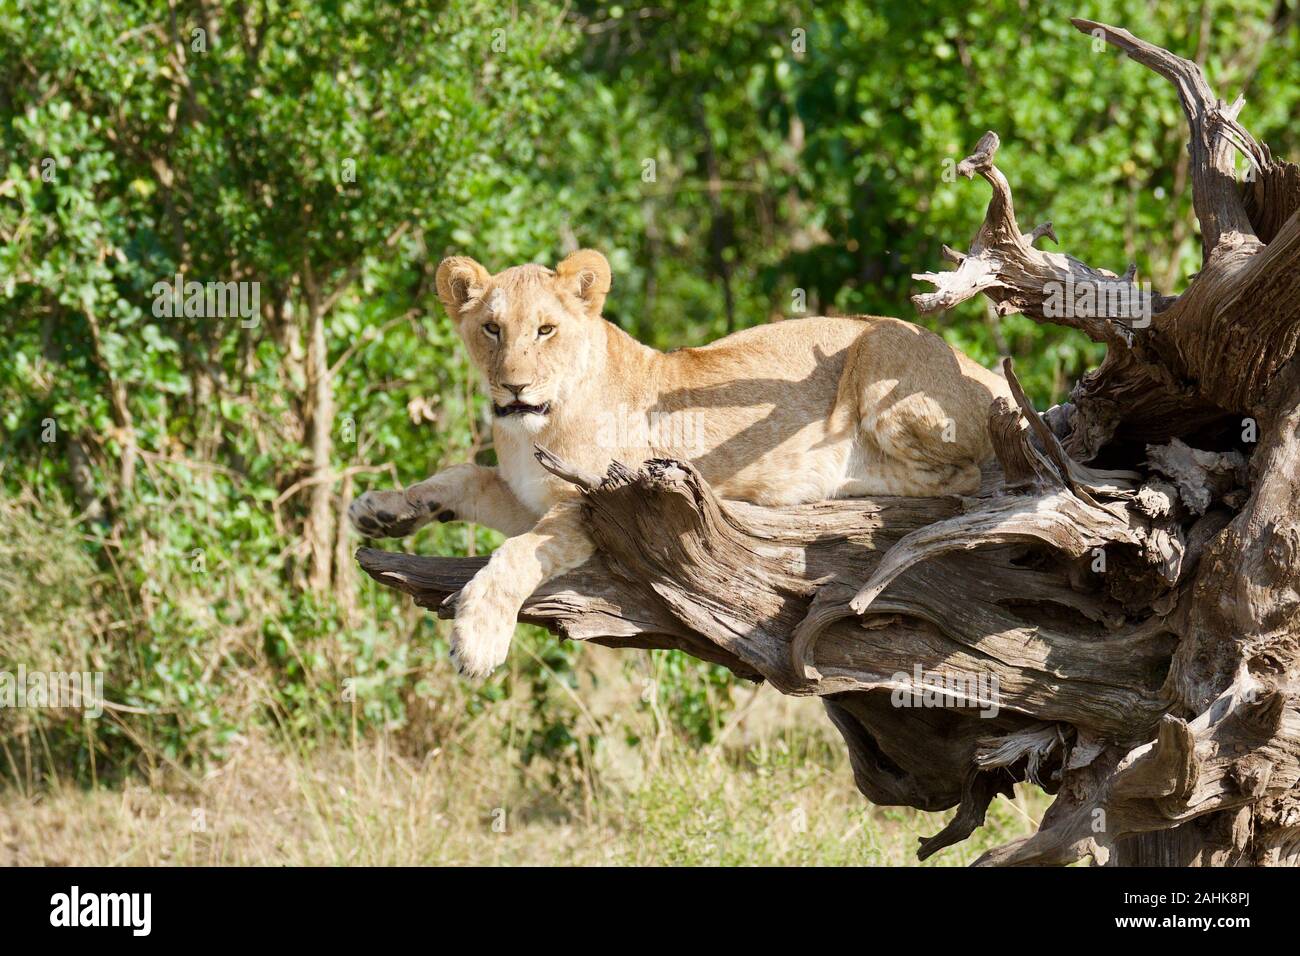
(520, 408)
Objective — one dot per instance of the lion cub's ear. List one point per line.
(459, 279)
(586, 274)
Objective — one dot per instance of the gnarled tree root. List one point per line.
(1008, 646)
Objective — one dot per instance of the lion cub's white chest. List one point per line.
(530, 482)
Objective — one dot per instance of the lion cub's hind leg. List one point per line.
(923, 414)
(917, 453)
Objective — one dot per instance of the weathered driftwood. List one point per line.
(1134, 624)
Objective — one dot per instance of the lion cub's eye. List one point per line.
(544, 331)
(492, 329)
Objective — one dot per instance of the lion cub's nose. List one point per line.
(516, 390)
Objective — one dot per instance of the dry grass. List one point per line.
(462, 780)
(776, 789)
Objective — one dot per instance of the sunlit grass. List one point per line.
(576, 755)
(782, 794)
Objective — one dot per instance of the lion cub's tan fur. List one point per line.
(790, 412)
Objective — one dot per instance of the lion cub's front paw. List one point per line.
(480, 638)
(390, 514)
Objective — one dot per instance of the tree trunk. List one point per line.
(319, 529)
(81, 476)
(345, 575)
(118, 403)
(1112, 617)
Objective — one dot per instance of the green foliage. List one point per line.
(725, 155)
(832, 162)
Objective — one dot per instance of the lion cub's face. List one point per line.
(528, 329)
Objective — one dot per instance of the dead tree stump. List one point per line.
(1123, 588)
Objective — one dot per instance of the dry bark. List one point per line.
(319, 527)
(1135, 625)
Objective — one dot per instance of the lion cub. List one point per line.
(781, 414)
